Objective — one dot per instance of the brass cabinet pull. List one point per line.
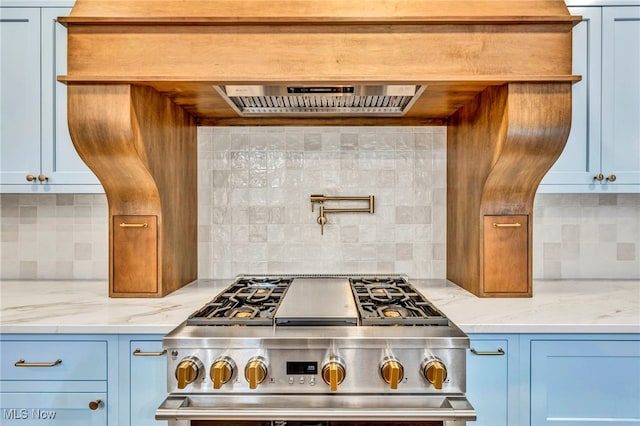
(23, 363)
(42, 178)
(599, 177)
(611, 178)
(499, 352)
(138, 352)
(95, 404)
(31, 178)
(133, 225)
(507, 225)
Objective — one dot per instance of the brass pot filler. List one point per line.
(320, 199)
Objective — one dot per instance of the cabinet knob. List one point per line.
(611, 178)
(42, 178)
(31, 178)
(599, 177)
(95, 404)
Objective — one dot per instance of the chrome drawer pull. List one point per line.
(500, 351)
(138, 352)
(22, 363)
(507, 225)
(133, 225)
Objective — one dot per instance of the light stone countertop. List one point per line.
(597, 306)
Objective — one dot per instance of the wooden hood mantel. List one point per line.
(142, 74)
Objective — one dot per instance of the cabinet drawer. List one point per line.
(64, 409)
(79, 360)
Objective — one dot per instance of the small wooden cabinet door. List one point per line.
(135, 254)
(506, 260)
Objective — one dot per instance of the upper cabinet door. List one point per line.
(36, 152)
(60, 162)
(19, 95)
(603, 150)
(621, 95)
(580, 160)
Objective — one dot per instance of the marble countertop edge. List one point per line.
(83, 307)
(467, 328)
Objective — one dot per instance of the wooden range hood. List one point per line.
(142, 76)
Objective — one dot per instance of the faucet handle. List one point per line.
(316, 198)
(322, 220)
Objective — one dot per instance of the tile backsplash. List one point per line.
(255, 214)
(62, 236)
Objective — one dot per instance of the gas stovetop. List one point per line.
(322, 300)
(282, 347)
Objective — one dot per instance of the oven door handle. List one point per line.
(316, 407)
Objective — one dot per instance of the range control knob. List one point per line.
(222, 370)
(434, 371)
(255, 371)
(392, 372)
(333, 373)
(188, 371)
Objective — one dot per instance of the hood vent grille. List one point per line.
(387, 100)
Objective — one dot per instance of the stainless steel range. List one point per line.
(317, 349)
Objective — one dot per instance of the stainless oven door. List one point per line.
(317, 407)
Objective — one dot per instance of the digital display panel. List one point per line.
(302, 367)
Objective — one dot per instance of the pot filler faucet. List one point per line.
(320, 199)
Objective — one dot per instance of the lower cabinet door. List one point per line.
(148, 381)
(63, 409)
(487, 381)
(585, 382)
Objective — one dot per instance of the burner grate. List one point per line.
(393, 301)
(248, 301)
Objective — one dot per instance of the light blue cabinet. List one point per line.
(37, 155)
(621, 95)
(554, 379)
(143, 384)
(580, 160)
(512, 379)
(595, 381)
(64, 380)
(19, 94)
(492, 379)
(603, 150)
(59, 409)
